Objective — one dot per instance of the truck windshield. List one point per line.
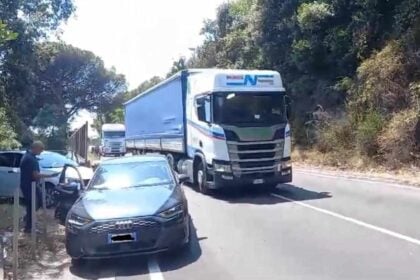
(249, 108)
(114, 134)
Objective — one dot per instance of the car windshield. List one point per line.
(252, 108)
(54, 160)
(114, 134)
(133, 174)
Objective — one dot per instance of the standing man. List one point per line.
(30, 172)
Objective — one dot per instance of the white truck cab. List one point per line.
(221, 127)
(113, 139)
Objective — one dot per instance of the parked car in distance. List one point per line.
(72, 156)
(49, 162)
(133, 205)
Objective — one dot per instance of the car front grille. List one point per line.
(123, 224)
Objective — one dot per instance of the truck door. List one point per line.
(202, 140)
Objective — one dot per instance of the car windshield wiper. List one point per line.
(151, 185)
(101, 188)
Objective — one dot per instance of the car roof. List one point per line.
(134, 159)
(22, 152)
(12, 151)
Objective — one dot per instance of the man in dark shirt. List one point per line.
(30, 172)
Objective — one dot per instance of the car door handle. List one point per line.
(11, 171)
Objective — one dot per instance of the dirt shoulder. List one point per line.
(356, 168)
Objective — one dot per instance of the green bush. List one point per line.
(367, 133)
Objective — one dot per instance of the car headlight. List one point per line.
(77, 221)
(172, 212)
(222, 168)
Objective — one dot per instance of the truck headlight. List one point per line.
(172, 212)
(284, 165)
(218, 167)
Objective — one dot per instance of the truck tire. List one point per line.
(201, 178)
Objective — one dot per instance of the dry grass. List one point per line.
(49, 260)
(398, 141)
(353, 164)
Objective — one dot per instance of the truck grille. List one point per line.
(255, 157)
(115, 147)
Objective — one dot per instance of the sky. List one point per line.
(140, 38)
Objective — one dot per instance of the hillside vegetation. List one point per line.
(352, 68)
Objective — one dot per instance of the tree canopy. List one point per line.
(44, 84)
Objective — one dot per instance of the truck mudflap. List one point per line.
(226, 180)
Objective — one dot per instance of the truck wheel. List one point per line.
(202, 179)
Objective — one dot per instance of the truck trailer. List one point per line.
(222, 128)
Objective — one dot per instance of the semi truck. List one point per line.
(222, 128)
(113, 139)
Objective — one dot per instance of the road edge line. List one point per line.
(352, 220)
(154, 270)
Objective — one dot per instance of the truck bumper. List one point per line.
(226, 180)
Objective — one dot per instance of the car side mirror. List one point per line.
(182, 178)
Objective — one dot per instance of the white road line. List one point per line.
(154, 269)
(352, 220)
(364, 180)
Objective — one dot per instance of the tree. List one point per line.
(69, 79)
(7, 135)
(177, 66)
(28, 22)
(75, 79)
(142, 87)
(6, 34)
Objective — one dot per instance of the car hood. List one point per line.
(129, 202)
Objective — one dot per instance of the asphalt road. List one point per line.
(319, 227)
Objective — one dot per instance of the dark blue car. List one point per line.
(133, 205)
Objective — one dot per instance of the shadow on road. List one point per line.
(255, 195)
(177, 260)
(136, 266)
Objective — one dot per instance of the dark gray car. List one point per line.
(133, 205)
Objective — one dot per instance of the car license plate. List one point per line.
(122, 237)
(258, 181)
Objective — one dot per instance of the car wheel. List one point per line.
(202, 179)
(50, 198)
